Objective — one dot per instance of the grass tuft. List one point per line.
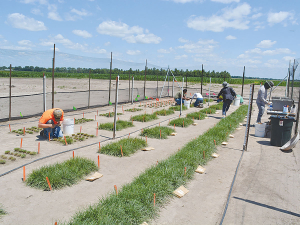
(120, 125)
(129, 146)
(144, 117)
(155, 132)
(61, 174)
(208, 110)
(133, 110)
(218, 106)
(110, 114)
(164, 112)
(82, 120)
(177, 108)
(179, 122)
(196, 116)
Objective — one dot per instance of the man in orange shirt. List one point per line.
(51, 121)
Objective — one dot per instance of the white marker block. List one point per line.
(231, 136)
(173, 134)
(224, 143)
(148, 149)
(200, 169)
(180, 192)
(215, 155)
(95, 176)
(194, 124)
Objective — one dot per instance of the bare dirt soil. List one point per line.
(265, 192)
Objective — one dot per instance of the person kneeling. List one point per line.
(50, 121)
(199, 100)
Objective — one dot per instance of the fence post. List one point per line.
(132, 90)
(53, 67)
(89, 89)
(243, 82)
(9, 113)
(44, 92)
(116, 106)
(145, 81)
(202, 79)
(129, 85)
(109, 86)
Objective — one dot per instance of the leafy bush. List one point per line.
(120, 125)
(155, 132)
(129, 146)
(61, 174)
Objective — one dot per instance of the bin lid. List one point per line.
(282, 117)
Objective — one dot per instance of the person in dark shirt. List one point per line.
(228, 95)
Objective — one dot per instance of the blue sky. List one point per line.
(183, 34)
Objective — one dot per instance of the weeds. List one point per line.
(120, 125)
(133, 110)
(208, 110)
(110, 114)
(196, 116)
(61, 174)
(82, 120)
(155, 132)
(129, 146)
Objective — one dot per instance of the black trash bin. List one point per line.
(281, 130)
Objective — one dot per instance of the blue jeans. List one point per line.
(261, 110)
(198, 100)
(178, 101)
(226, 105)
(54, 132)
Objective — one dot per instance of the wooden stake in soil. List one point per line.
(121, 150)
(49, 135)
(99, 147)
(66, 141)
(203, 154)
(99, 161)
(24, 130)
(22, 142)
(49, 184)
(183, 123)
(97, 112)
(184, 171)
(80, 128)
(95, 117)
(9, 127)
(24, 174)
(73, 154)
(116, 189)
(154, 200)
(39, 147)
(215, 142)
(128, 135)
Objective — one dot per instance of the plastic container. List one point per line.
(237, 101)
(187, 103)
(68, 126)
(285, 109)
(281, 129)
(260, 129)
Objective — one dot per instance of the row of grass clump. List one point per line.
(134, 202)
(157, 132)
(129, 146)
(110, 114)
(61, 174)
(2, 212)
(82, 120)
(120, 125)
(29, 130)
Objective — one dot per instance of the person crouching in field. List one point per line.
(50, 121)
(228, 95)
(199, 100)
(177, 97)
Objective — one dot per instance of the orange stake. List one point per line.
(24, 130)
(96, 131)
(55, 223)
(66, 141)
(183, 123)
(49, 184)
(99, 161)
(39, 147)
(215, 142)
(9, 128)
(154, 200)
(73, 154)
(160, 134)
(99, 147)
(83, 115)
(116, 189)
(184, 171)
(80, 128)
(121, 150)
(49, 135)
(128, 135)
(97, 112)
(95, 117)
(24, 177)
(21, 142)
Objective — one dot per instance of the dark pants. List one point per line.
(226, 105)
(54, 132)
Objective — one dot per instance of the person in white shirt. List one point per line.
(199, 99)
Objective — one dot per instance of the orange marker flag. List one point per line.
(49, 135)
(21, 142)
(49, 184)
(154, 200)
(66, 141)
(184, 171)
(99, 147)
(24, 177)
(39, 147)
(98, 161)
(73, 154)
(116, 189)
(9, 127)
(121, 150)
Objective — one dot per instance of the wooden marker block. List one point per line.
(224, 143)
(194, 124)
(217, 112)
(173, 134)
(206, 117)
(200, 169)
(231, 136)
(238, 128)
(148, 149)
(215, 155)
(144, 223)
(95, 176)
(241, 124)
(180, 192)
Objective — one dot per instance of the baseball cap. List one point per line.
(57, 114)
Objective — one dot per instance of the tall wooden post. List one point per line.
(53, 67)
(293, 79)
(202, 79)
(89, 89)
(9, 114)
(243, 82)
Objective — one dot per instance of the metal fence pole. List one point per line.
(116, 106)
(109, 86)
(145, 81)
(209, 91)
(288, 86)
(53, 67)
(44, 92)
(129, 87)
(9, 110)
(243, 82)
(248, 117)
(293, 79)
(181, 95)
(297, 118)
(202, 79)
(89, 89)
(173, 89)
(132, 90)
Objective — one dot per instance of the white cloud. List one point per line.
(258, 25)
(266, 44)
(202, 46)
(26, 43)
(165, 51)
(225, 1)
(133, 34)
(83, 12)
(279, 17)
(256, 16)
(75, 14)
(42, 2)
(133, 52)
(230, 37)
(82, 33)
(107, 43)
(20, 21)
(182, 40)
(53, 14)
(288, 58)
(277, 51)
(37, 12)
(181, 56)
(231, 18)
(185, 1)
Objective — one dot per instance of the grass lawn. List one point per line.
(155, 132)
(62, 174)
(120, 125)
(129, 146)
